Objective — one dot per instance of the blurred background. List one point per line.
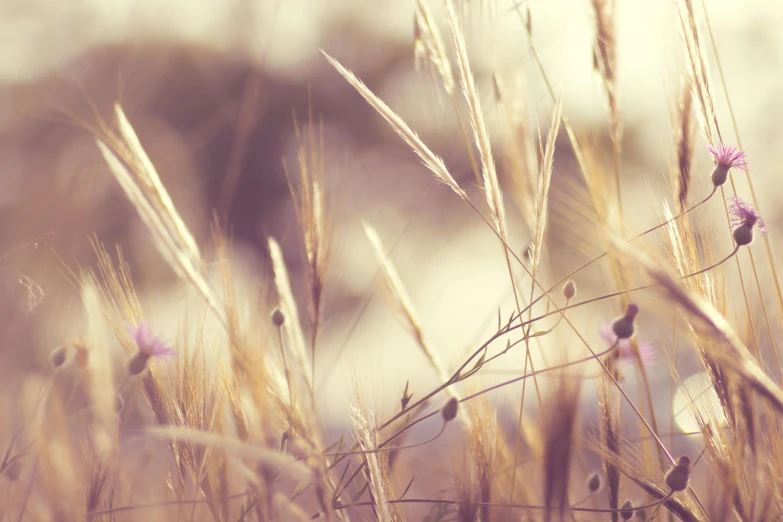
(213, 89)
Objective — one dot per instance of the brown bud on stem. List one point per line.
(278, 318)
(678, 476)
(449, 410)
(59, 356)
(623, 327)
(594, 482)
(569, 289)
(626, 511)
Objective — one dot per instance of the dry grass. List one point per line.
(231, 428)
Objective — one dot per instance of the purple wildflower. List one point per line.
(743, 218)
(149, 346)
(726, 157)
(743, 213)
(624, 348)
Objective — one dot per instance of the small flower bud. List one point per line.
(678, 476)
(726, 157)
(137, 364)
(278, 318)
(569, 289)
(623, 327)
(626, 511)
(449, 410)
(743, 234)
(59, 356)
(594, 482)
(720, 175)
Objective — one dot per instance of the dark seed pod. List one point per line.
(277, 317)
(59, 356)
(678, 476)
(449, 410)
(626, 511)
(569, 289)
(594, 482)
(743, 234)
(623, 327)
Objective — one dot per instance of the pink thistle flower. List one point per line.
(624, 348)
(726, 157)
(149, 346)
(743, 213)
(743, 219)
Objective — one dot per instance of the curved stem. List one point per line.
(509, 328)
(498, 506)
(392, 448)
(578, 361)
(622, 292)
(609, 251)
(163, 504)
(487, 390)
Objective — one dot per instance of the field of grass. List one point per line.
(629, 373)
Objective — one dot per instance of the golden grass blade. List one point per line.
(405, 307)
(153, 186)
(544, 182)
(430, 159)
(173, 247)
(292, 327)
(695, 56)
(100, 371)
(276, 461)
(682, 128)
(433, 43)
(731, 351)
(368, 442)
(481, 136)
(560, 427)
